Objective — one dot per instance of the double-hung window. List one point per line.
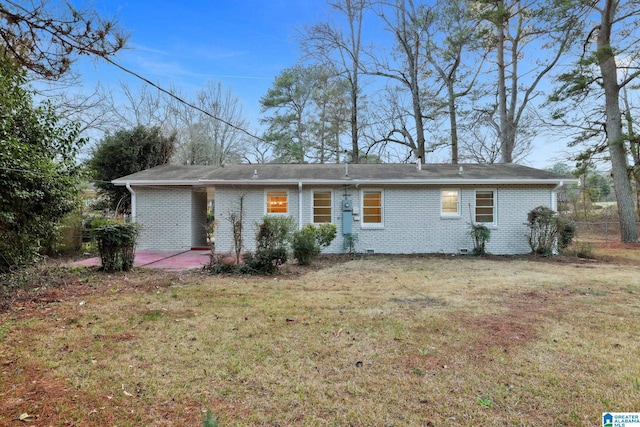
(485, 207)
(277, 202)
(372, 208)
(450, 203)
(322, 207)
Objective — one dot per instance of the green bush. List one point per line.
(66, 238)
(116, 244)
(265, 261)
(309, 241)
(271, 245)
(480, 234)
(566, 231)
(548, 231)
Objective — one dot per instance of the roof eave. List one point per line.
(154, 182)
(351, 181)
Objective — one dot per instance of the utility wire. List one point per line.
(179, 99)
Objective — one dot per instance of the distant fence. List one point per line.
(599, 231)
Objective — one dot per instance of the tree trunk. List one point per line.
(417, 112)
(453, 122)
(355, 150)
(355, 13)
(615, 141)
(505, 150)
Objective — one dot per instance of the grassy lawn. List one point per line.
(384, 341)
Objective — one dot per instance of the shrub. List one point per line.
(480, 234)
(548, 231)
(66, 236)
(264, 261)
(116, 244)
(309, 241)
(566, 231)
(271, 245)
(221, 263)
(304, 244)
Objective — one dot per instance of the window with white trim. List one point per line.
(277, 202)
(450, 203)
(372, 207)
(322, 207)
(485, 207)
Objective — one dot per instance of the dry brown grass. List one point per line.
(376, 341)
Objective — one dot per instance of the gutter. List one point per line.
(348, 181)
(133, 202)
(356, 182)
(185, 182)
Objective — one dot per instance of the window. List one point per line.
(322, 206)
(485, 206)
(450, 203)
(372, 207)
(277, 202)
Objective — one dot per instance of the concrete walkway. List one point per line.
(165, 260)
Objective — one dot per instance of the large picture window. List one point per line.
(277, 202)
(322, 207)
(450, 203)
(372, 207)
(485, 207)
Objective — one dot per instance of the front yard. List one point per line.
(385, 341)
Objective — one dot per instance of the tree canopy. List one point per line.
(125, 152)
(38, 170)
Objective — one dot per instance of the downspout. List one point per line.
(133, 202)
(299, 205)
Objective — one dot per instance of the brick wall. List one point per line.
(173, 218)
(412, 220)
(170, 217)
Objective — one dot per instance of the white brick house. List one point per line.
(392, 208)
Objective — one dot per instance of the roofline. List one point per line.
(349, 181)
(155, 182)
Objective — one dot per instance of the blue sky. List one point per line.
(242, 44)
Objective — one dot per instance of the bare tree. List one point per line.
(328, 43)
(203, 140)
(142, 106)
(545, 29)
(408, 24)
(393, 125)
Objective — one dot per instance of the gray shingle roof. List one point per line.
(342, 173)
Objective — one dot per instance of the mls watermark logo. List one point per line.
(621, 419)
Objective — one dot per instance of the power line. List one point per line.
(179, 99)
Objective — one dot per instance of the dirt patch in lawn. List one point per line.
(515, 326)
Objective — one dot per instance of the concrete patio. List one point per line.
(164, 260)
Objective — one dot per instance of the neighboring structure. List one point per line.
(391, 208)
